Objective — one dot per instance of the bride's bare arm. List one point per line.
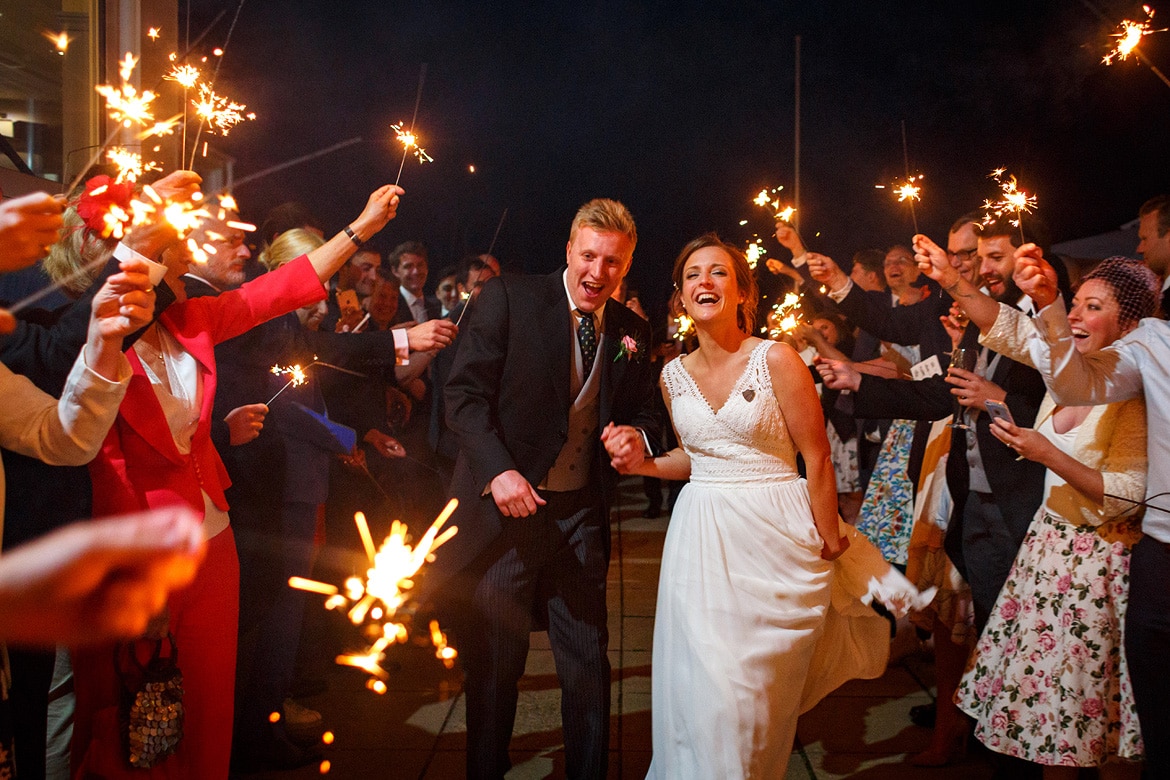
(674, 465)
(797, 396)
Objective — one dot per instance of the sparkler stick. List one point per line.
(466, 306)
(298, 379)
(65, 281)
(906, 193)
(422, 75)
(361, 324)
(496, 235)
(215, 74)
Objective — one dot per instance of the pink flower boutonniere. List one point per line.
(628, 349)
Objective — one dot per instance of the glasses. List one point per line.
(963, 255)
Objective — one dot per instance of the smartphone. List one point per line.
(347, 300)
(998, 410)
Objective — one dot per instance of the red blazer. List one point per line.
(139, 466)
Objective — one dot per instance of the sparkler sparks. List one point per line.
(1013, 201)
(1129, 34)
(217, 111)
(126, 106)
(907, 192)
(129, 164)
(768, 198)
(684, 327)
(784, 318)
(410, 141)
(187, 76)
(379, 601)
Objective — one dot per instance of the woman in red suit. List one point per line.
(159, 453)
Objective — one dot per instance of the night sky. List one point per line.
(684, 111)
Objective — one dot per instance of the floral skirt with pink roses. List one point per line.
(1048, 682)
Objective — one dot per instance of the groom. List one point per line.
(548, 367)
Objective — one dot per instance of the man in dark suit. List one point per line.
(995, 495)
(408, 264)
(546, 370)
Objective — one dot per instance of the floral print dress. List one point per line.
(1048, 681)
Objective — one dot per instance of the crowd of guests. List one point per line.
(988, 443)
(1022, 507)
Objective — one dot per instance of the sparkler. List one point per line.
(684, 327)
(784, 318)
(907, 191)
(1129, 34)
(60, 41)
(754, 253)
(1014, 201)
(407, 137)
(380, 601)
(298, 378)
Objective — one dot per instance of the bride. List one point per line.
(760, 611)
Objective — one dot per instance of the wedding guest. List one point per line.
(160, 453)
(1132, 366)
(1056, 625)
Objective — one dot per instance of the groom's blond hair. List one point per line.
(605, 215)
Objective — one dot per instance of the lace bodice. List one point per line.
(746, 441)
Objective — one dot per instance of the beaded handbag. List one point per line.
(151, 707)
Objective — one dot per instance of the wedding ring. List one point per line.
(149, 288)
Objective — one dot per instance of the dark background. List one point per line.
(684, 110)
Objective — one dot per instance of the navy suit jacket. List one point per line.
(508, 398)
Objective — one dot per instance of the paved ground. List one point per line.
(416, 729)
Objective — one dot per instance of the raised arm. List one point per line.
(381, 207)
(932, 260)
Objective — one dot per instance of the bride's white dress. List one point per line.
(752, 627)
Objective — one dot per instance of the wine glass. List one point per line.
(963, 358)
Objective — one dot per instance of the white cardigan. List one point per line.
(61, 432)
(1112, 439)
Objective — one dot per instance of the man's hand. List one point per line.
(825, 271)
(245, 423)
(838, 374)
(954, 323)
(933, 261)
(383, 444)
(626, 448)
(29, 225)
(125, 303)
(1034, 276)
(432, 334)
(514, 496)
(972, 390)
(789, 238)
(779, 268)
(98, 579)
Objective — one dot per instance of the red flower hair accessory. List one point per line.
(100, 196)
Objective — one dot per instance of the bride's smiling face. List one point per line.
(709, 290)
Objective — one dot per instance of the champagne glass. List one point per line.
(963, 358)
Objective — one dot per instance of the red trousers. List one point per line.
(203, 618)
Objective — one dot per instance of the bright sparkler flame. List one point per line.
(684, 327)
(410, 141)
(129, 164)
(153, 33)
(298, 374)
(784, 317)
(1014, 200)
(217, 111)
(385, 591)
(1129, 34)
(60, 41)
(754, 253)
(767, 198)
(186, 75)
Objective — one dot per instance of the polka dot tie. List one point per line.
(587, 336)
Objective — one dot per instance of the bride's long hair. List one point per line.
(745, 280)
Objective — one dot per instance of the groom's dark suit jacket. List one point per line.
(508, 398)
